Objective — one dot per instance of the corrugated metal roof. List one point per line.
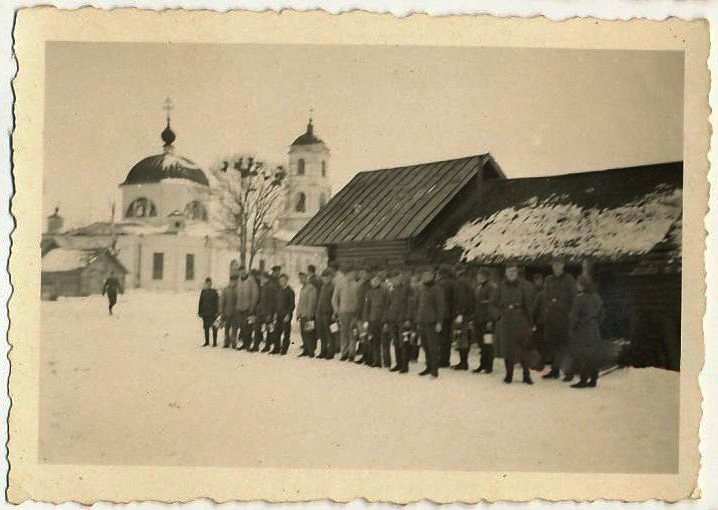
(393, 203)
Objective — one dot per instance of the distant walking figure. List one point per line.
(209, 310)
(111, 288)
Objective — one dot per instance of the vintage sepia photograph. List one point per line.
(366, 257)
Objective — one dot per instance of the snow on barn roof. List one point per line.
(392, 203)
(106, 228)
(603, 215)
(65, 259)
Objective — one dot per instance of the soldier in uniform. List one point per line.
(511, 304)
(396, 320)
(266, 314)
(462, 310)
(559, 293)
(285, 310)
(363, 349)
(306, 310)
(208, 310)
(430, 313)
(483, 324)
(374, 308)
(247, 296)
(111, 288)
(447, 283)
(228, 312)
(324, 316)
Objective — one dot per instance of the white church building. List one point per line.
(165, 238)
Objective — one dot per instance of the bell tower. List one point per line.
(308, 180)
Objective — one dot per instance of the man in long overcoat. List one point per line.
(246, 306)
(306, 312)
(266, 313)
(447, 283)
(559, 291)
(430, 313)
(228, 312)
(208, 310)
(462, 310)
(483, 324)
(511, 305)
(324, 315)
(285, 310)
(396, 319)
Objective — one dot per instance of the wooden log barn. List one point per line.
(622, 226)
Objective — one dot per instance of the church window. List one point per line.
(300, 167)
(322, 200)
(189, 267)
(158, 265)
(196, 211)
(301, 202)
(324, 168)
(141, 208)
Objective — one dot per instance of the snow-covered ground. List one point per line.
(137, 388)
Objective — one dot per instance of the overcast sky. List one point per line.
(538, 112)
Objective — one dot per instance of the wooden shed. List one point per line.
(380, 216)
(77, 272)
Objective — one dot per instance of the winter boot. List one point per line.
(463, 364)
(527, 376)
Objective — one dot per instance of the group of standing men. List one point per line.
(252, 309)
(350, 312)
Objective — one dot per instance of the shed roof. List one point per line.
(389, 204)
(601, 215)
(68, 259)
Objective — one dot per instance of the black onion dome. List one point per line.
(159, 167)
(168, 136)
(308, 138)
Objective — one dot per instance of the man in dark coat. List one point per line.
(374, 308)
(266, 314)
(306, 313)
(363, 349)
(557, 300)
(285, 310)
(511, 304)
(324, 316)
(228, 312)
(483, 324)
(397, 320)
(587, 314)
(111, 288)
(430, 313)
(447, 284)
(208, 310)
(314, 279)
(462, 309)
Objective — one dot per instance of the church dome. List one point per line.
(167, 165)
(308, 138)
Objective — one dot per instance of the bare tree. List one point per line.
(249, 195)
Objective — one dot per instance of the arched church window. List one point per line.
(324, 168)
(195, 210)
(301, 202)
(141, 208)
(300, 167)
(322, 200)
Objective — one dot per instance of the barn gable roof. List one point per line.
(389, 204)
(602, 215)
(68, 259)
